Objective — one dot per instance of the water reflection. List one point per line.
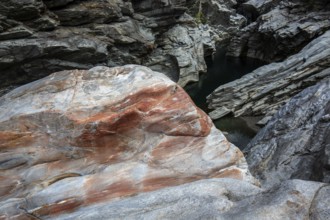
(237, 130)
(222, 70)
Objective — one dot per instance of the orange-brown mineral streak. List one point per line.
(142, 101)
(13, 139)
(67, 205)
(205, 123)
(185, 102)
(165, 148)
(229, 173)
(151, 184)
(171, 116)
(8, 185)
(125, 115)
(145, 99)
(114, 190)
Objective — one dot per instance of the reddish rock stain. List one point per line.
(67, 205)
(114, 190)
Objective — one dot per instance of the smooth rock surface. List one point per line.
(296, 141)
(267, 88)
(216, 199)
(81, 137)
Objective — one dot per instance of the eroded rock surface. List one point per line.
(77, 138)
(266, 89)
(279, 28)
(216, 199)
(183, 48)
(40, 37)
(296, 141)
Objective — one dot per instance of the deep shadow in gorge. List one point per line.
(221, 70)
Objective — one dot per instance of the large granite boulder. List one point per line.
(84, 137)
(296, 141)
(266, 89)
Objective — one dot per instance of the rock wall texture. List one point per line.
(266, 89)
(78, 138)
(279, 28)
(296, 141)
(40, 37)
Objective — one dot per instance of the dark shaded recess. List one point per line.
(221, 70)
(249, 12)
(321, 166)
(57, 4)
(17, 11)
(50, 61)
(168, 66)
(315, 4)
(157, 6)
(236, 130)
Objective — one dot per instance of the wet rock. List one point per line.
(84, 137)
(295, 143)
(266, 89)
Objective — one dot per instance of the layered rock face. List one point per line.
(220, 15)
(218, 199)
(266, 89)
(182, 50)
(296, 142)
(40, 37)
(77, 139)
(279, 28)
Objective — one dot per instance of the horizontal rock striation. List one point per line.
(40, 37)
(295, 143)
(216, 199)
(84, 137)
(279, 28)
(182, 48)
(263, 91)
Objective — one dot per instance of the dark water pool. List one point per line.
(222, 70)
